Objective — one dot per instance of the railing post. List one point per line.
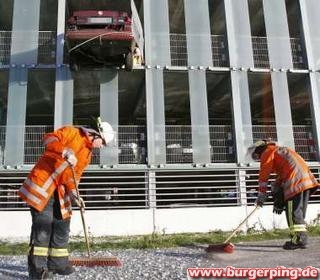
(152, 189)
(152, 196)
(242, 187)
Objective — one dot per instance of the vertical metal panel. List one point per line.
(278, 37)
(315, 108)
(24, 50)
(16, 115)
(109, 111)
(25, 32)
(156, 30)
(60, 31)
(199, 116)
(239, 33)
(63, 104)
(155, 117)
(198, 32)
(311, 22)
(241, 113)
(137, 29)
(282, 109)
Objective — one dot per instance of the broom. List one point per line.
(90, 261)
(227, 246)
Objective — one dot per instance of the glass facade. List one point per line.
(216, 75)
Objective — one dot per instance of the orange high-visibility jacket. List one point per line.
(293, 174)
(52, 172)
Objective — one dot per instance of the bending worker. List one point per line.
(49, 190)
(294, 182)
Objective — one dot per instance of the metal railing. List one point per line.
(303, 138)
(132, 143)
(304, 142)
(178, 49)
(149, 188)
(5, 47)
(179, 144)
(33, 146)
(46, 47)
(179, 52)
(260, 52)
(298, 54)
(261, 55)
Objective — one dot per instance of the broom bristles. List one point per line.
(102, 261)
(223, 247)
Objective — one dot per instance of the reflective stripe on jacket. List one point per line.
(52, 172)
(293, 174)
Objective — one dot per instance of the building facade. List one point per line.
(217, 76)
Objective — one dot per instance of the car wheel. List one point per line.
(128, 63)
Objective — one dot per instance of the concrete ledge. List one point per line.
(17, 224)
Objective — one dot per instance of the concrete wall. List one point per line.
(16, 225)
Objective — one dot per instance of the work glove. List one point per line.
(69, 156)
(278, 199)
(261, 198)
(277, 210)
(77, 199)
(80, 202)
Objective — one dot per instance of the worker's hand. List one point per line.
(80, 202)
(261, 199)
(69, 156)
(277, 210)
(77, 199)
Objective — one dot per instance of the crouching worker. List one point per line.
(49, 190)
(292, 189)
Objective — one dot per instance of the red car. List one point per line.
(101, 38)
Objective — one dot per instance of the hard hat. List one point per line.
(253, 148)
(106, 131)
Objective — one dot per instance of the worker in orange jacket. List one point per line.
(295, 183)
(50, 189)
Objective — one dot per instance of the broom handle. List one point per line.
(81, 212)
(239, 226)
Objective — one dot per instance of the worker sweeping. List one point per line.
(49, 190)
(292, 188)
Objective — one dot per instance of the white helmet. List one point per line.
(106, 131)
(252, 150)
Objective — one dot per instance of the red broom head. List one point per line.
(229, 248)
(223, 247)
(96, 261)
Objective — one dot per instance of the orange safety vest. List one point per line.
(293, 174)
(52, 172)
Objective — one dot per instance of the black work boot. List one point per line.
(289, 245)
(40, 274)
(63, 271)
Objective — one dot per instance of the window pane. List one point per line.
(132, 98)
(177, 103)
(40, 97)
(6, 12)
(299, 87)
(86, 96)
(219, 98)
(262, 109)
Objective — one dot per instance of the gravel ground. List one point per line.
(172, 264)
